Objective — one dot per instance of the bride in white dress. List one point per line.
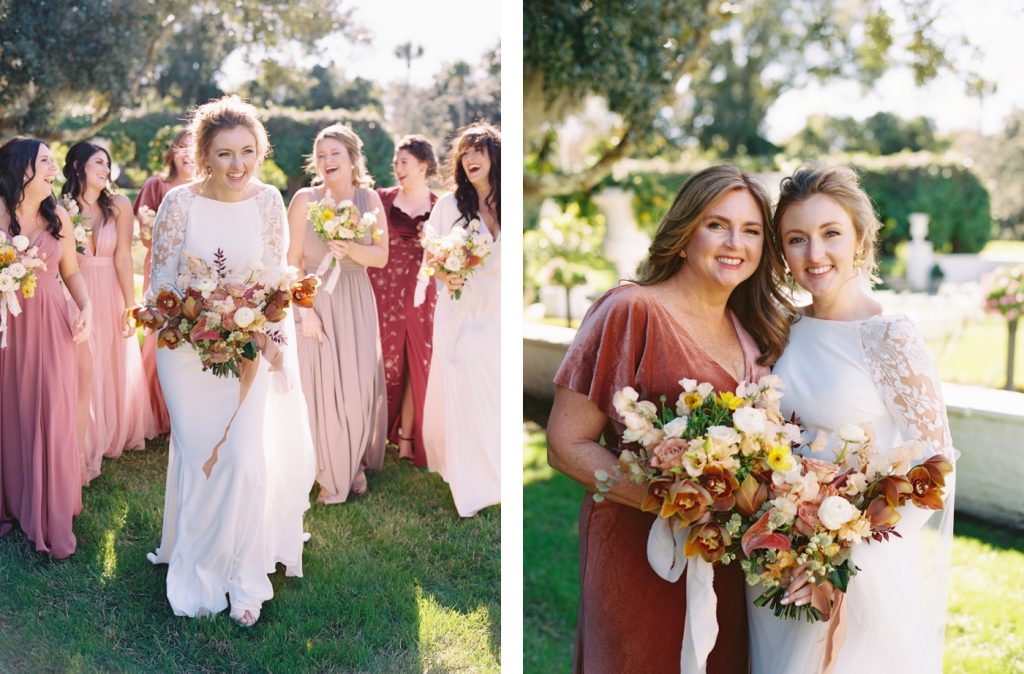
(224, 534)
(848, 362)
(461, 415)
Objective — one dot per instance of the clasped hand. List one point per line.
(340, 249)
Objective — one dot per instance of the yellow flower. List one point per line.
(28, 287)
(730, 400)
(780, 458)
(6, 254)
(693, 400)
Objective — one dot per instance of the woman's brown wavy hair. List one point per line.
(759, 302)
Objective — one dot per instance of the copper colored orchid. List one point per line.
(191, 306)
(147, 318)
(721, 484)
(895, 488)
(711, 541)
(751, 495)
(170, 337)
(274, 312)
(882, 514)
(304, 291)
(168, 303)
(927, 481)
(657, 492)
(687, 501)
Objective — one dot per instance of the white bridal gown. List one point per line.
(222, 535)
(875, 371)
(461, 415)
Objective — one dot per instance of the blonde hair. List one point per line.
(211, 118)
(842, 185)
(346, 136)
(758, 302)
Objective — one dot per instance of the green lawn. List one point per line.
(395, 581)
(978, 356)
(985, 633)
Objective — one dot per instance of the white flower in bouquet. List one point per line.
(749, 420)
(17, 270)
(835, 511)
(70, 205)
(80, 233)
(7, 282)
(20, 243)
(244, 317)
(675, 428)
(852, 433)
(453, 262)
(205, 285)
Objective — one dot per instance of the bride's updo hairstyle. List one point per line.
(224, 113)
(842, 185)
(758, 302)
(354, 144)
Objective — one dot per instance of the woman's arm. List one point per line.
(73, 280)
(367, 254)
(297, 227)
(123, 266)
(574, 426)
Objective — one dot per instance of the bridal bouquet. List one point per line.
(339, 222)
(147, 216)
(821, 508)
(225, 314)
(18, 265)
(78, 220)
(460, 252)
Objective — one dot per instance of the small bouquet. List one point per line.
(147, 216)
(226, 315)
(460, 252)
(78, 219)
(1005, 292)
(18, 265)
(821, 508)
(340, 222)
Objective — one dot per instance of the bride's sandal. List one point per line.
(359, 486)
(405, 449)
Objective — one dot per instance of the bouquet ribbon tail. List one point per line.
(665, 549)
(701, 629)
(325, 264)
(8, 304)
(246, 375)
(836, 632)
(420, 294)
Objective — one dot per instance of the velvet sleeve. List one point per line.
(606, 354)
(149, 195)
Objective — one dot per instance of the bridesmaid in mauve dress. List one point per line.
(704, 285)
(178, 171)
(40, 485)
(110, 365)
(406, 330)
(340, 360)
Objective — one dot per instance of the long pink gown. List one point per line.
(118, 398)
(158, 422)
(40, 485)
(405, 330)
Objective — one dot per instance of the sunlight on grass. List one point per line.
(451, 641)
(109, 559)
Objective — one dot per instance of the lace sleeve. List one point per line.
(905, 375)
(168, 237)
(274, 230)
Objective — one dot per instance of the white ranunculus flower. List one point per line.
(675, 428)
(20, 243)
(205, 285)
(725, 435)
(17, 270)
(244, 317)
(453, 262)
(852, 433)
(749, 420)
(7, 284)
(835, 511)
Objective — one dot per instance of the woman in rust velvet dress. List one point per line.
(706, 287)
(406, 330)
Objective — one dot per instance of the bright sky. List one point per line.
(448, 30)
(995, 26)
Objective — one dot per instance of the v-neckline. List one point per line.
(745, 375)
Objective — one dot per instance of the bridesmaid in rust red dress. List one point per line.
(405, 330)
(704, 289)
(178, 171)
(40, 482)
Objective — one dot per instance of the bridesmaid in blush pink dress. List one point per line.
(40, 486)
(178, 171)
(110, 364)
(406, 330)
(340, 360)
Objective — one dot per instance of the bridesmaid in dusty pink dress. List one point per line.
(109, 362)
(177, 171)
(40, 485)
(406, 330)
(340, 360)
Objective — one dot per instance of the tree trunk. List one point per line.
(1010, 349)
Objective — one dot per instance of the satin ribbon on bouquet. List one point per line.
(246, 376)
(8, 304)
(324, 265)
(700, 631)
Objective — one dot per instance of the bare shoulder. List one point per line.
(122, 204)
(302, 197)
